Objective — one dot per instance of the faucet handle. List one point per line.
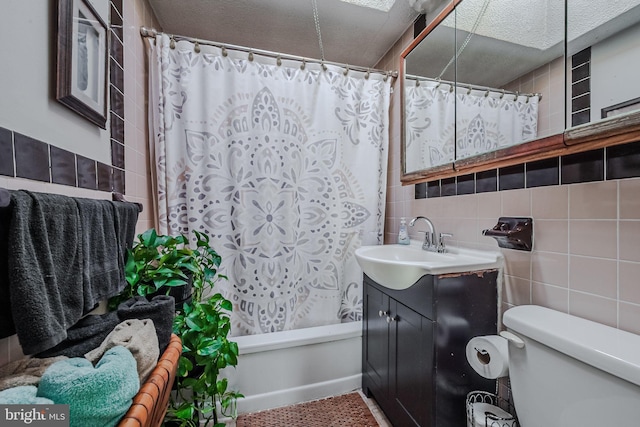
(441, 246)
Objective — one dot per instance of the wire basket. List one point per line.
(498, 414)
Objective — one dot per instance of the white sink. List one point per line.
(400, 266)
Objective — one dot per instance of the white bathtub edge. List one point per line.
(291, 396)
(298, 337)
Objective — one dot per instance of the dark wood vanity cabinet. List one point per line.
(414, 361)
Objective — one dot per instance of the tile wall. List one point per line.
(586, 210)
(34, 165)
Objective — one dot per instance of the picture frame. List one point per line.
(621, 108)
(81, 69)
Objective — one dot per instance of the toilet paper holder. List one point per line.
(512, 233)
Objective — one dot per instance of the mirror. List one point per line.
(487, 79)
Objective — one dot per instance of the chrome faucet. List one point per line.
(429, 243)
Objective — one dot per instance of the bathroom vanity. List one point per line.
(414, 363)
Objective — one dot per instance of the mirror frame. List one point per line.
(603, 133)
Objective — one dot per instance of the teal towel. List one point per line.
(97, 397)
(23, 395)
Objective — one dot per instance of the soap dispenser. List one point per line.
(403, 235)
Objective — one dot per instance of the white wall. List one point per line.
(614, 70)
(27, 81)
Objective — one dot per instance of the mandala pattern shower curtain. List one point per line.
(435, 117)
(283, 165)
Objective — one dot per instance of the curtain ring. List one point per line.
(250, 56)
(386, 76)
(196, 47)
(346, 70)
(323, 65)
(172, 43)
(528, 97)
(469, 91)
(304, 64)
(224, 51)
(486, 94)
(439, 82)
(279, 61)
(417, 83)
(516, 96)
(450, 88)
(502, 96)
(367, 74)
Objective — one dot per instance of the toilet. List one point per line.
(566, 371)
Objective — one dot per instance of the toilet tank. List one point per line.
(572, 372)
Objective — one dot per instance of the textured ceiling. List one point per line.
(351, 33)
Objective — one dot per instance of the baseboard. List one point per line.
(291, 396)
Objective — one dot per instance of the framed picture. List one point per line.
(82, 60)
(623, 107)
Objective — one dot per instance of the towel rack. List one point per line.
(5, 199)
(119, 197)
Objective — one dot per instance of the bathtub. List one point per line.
(289, 367)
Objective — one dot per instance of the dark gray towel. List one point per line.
(84, 336)
(126, 220)
(161, 309)
(7, 327)
(45, 268)
(103, 273)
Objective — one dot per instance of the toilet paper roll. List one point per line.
(488, 355)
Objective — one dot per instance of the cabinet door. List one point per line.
(376, 343)
(412, 372)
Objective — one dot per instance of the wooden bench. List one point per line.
(150, 404)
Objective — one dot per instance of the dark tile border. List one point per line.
(621, 161)
(6, 153)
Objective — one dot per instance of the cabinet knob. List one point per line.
(382, 313)
(391, 319)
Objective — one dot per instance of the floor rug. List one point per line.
(347, 410)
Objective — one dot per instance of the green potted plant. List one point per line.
(204, 326)
(158, 264)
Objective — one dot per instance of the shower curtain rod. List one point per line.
(152, 33)
(473, 87)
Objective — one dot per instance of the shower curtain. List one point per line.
(283, 164)
(478, 122)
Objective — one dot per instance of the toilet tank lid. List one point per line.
(608, 349)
